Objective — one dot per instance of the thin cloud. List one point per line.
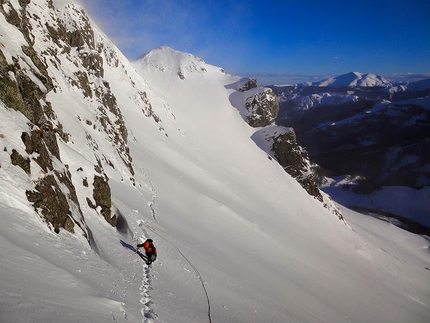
(409, 77)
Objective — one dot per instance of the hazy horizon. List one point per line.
(265, 79)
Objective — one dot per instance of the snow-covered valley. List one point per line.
(238, 239)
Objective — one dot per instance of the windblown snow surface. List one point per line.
(238, 239)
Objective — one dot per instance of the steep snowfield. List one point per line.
(238, 239)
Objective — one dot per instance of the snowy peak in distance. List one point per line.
(166, 59)
(354, 79)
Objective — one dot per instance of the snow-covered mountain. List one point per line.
(354, 79)
(99, 153)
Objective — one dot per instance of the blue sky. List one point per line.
(299, 39)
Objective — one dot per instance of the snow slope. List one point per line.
(239, 240)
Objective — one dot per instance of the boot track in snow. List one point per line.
(141, 224)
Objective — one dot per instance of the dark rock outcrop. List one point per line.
(295, 161)
(52, 203)
(262, 108)
(102, 197)
(248, 85)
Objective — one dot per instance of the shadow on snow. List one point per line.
(132, 248)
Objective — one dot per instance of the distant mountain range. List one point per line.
(371, 134)
(354, 79)
(363, 124)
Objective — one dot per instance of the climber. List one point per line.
(150, 251)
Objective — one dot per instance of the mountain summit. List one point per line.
(167, 59)
(354, 79)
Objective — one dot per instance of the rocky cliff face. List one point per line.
(25, 83)
(46, 53)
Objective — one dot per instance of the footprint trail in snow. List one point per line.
(147, 312)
